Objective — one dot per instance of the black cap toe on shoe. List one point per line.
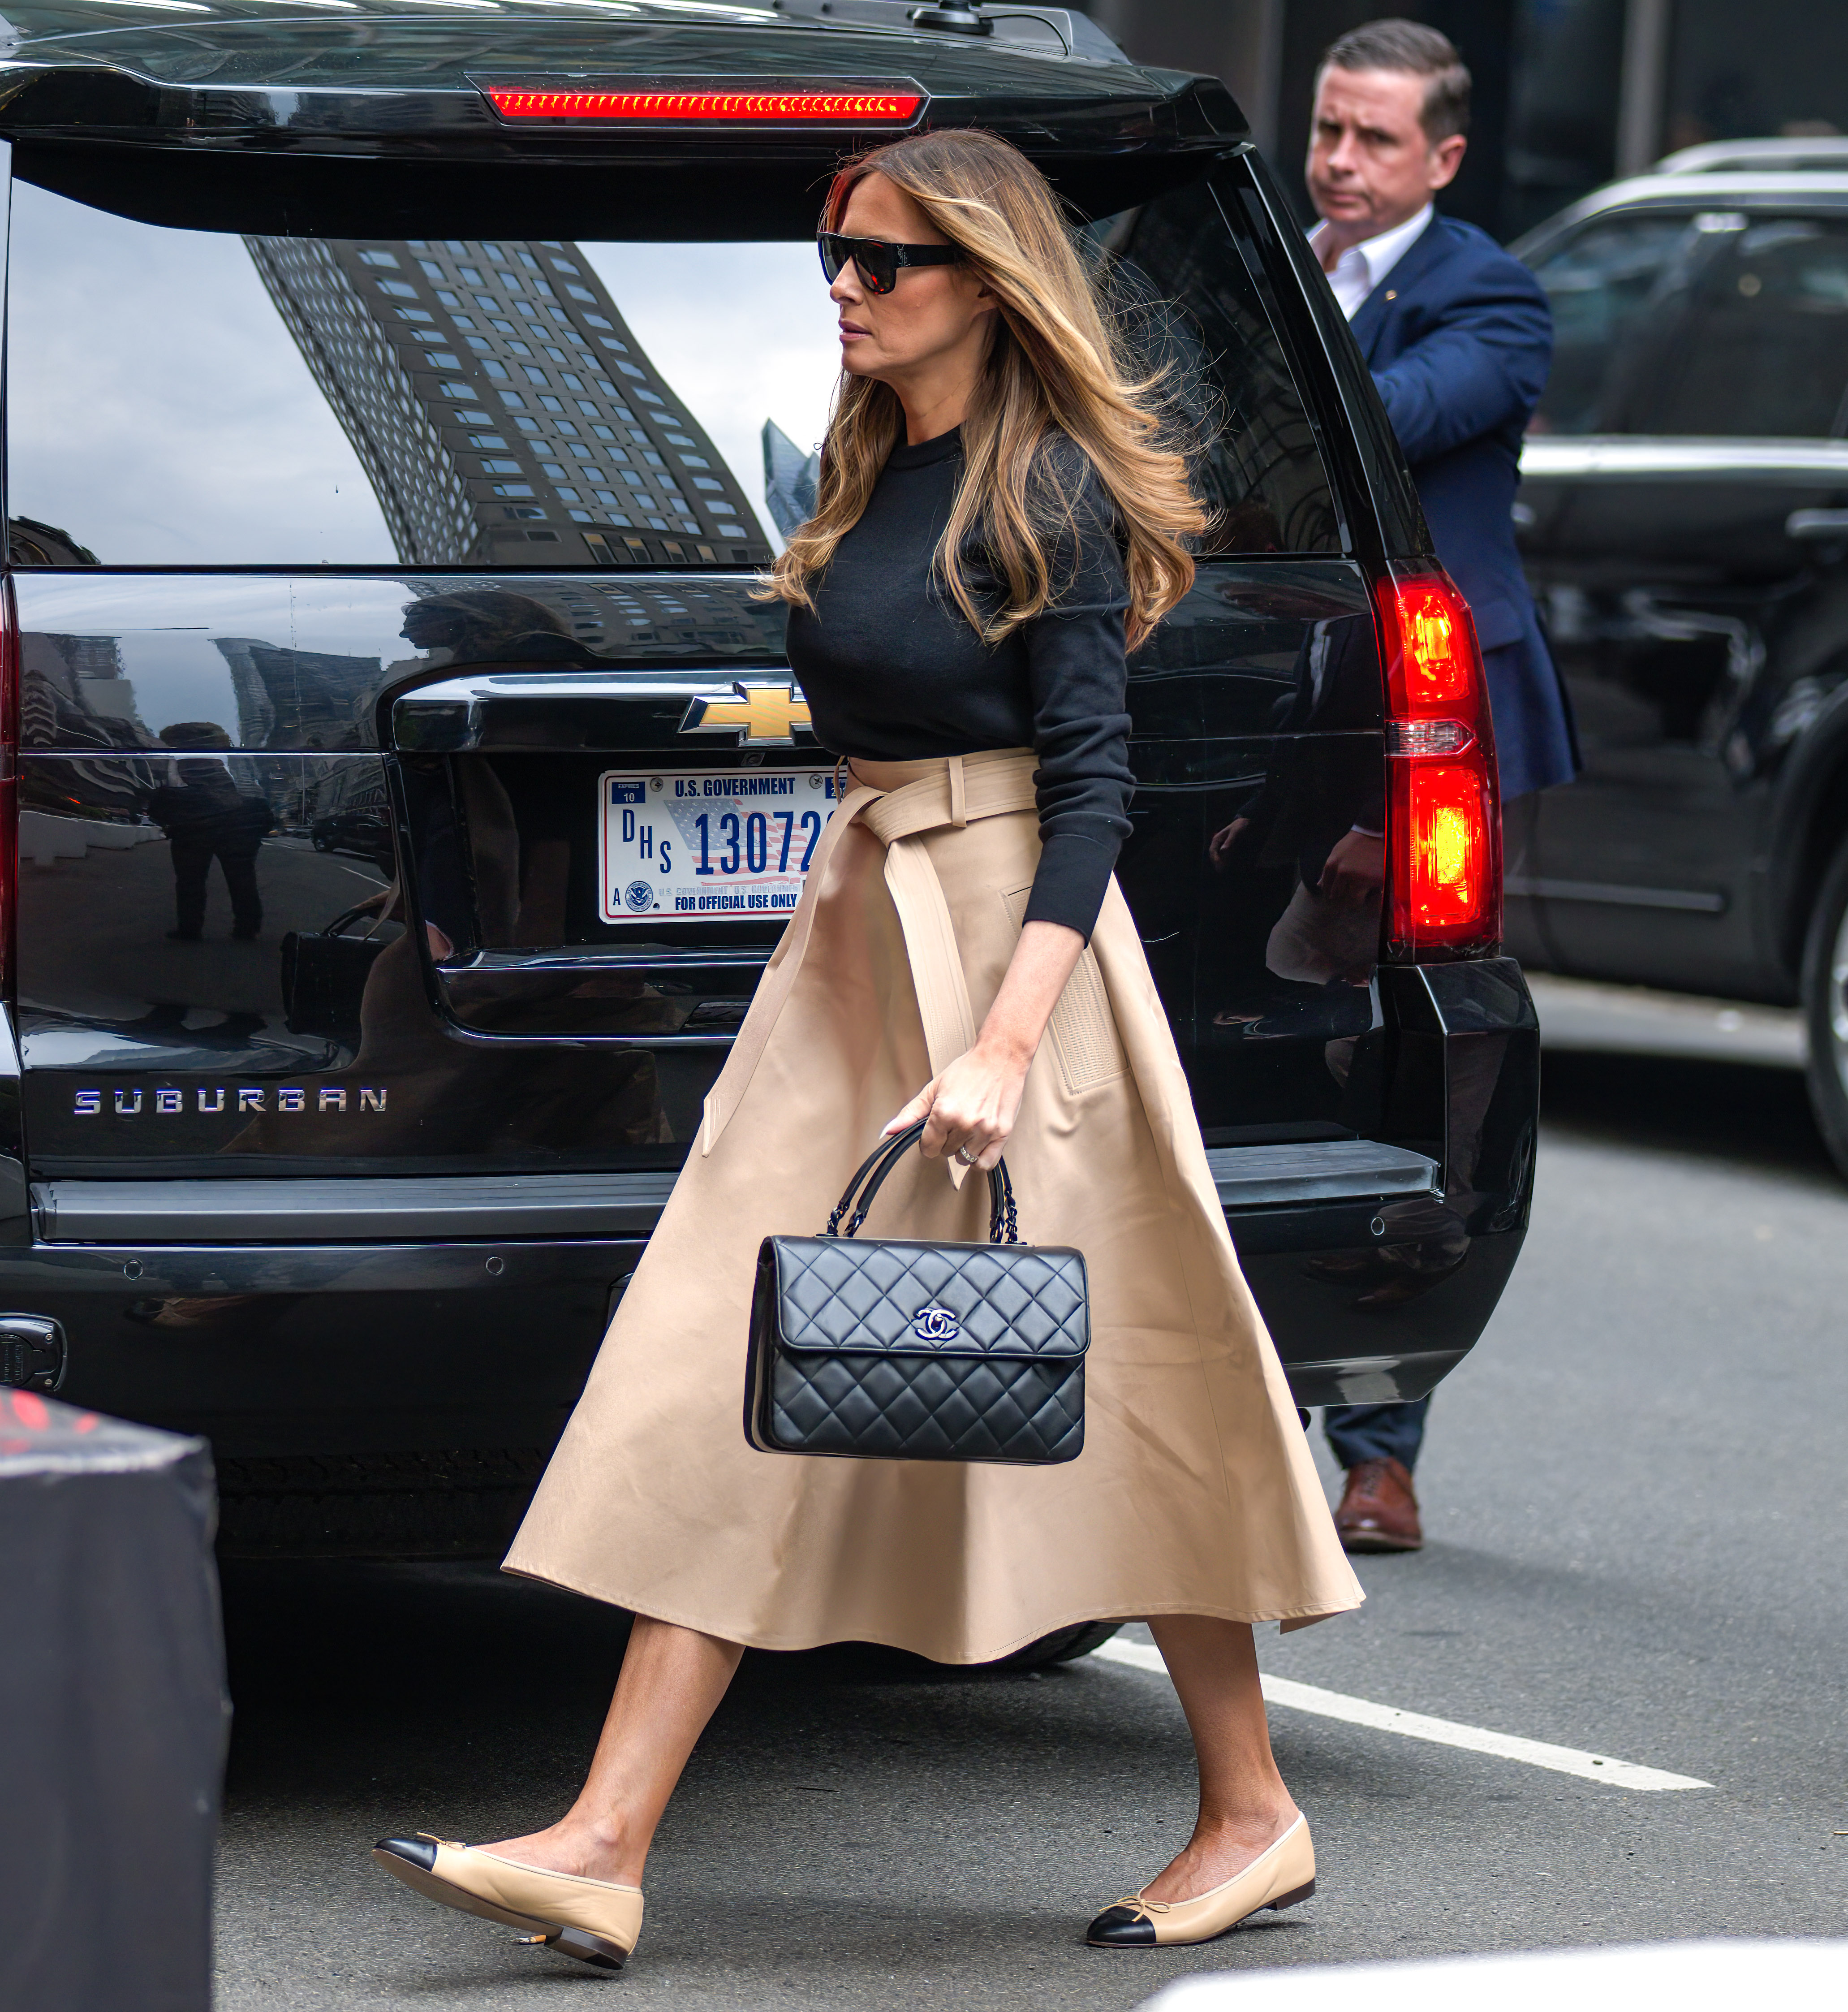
(418, 1851)
(1121, 1927)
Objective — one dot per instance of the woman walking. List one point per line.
(997, 519)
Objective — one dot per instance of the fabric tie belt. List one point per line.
(949, 793)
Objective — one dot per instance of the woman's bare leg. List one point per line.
(670, 1683)
(1243, 1805)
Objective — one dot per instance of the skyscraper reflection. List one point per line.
(501, 406)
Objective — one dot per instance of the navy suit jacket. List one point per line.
(1459, 338)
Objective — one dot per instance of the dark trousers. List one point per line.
(1377, 1431)
(192, 864)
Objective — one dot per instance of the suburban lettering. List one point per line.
(170, 1102)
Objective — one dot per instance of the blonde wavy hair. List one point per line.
(1057, 362)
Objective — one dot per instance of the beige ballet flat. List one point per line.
(594, 1920)
(1279, 1878)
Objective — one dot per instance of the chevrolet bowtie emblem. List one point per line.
(763, 711)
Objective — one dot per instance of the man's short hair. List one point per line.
(1411, 46)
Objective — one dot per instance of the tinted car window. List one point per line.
(1612, 288)
(1764, 348)
(1187, 294)
(178, 397)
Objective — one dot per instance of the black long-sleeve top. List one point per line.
(893, 671)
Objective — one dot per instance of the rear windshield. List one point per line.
(187, 398)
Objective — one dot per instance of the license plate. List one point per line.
(709, 844)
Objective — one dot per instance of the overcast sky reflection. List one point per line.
(160, 413)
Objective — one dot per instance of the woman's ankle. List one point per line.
(1220, 1847)
(1257, 1822)
(604, 1847)
(611, 1847)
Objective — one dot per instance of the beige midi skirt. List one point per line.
(1194, 1493)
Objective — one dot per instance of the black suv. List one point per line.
(1684, 516)
(411, 789)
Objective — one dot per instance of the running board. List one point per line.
(1338, 1170)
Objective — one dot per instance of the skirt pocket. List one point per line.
(1085, 1043)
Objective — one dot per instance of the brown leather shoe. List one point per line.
(1378, 1511)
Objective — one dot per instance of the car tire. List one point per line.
(1825, 1009)
(1066, 1645)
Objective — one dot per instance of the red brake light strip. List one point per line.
(832, 108)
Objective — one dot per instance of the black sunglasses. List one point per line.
(879, 263)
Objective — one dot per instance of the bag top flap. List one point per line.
(874, 1296)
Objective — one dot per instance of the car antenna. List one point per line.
(953, 18)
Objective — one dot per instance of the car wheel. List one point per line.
(1066, 1646)
(1825, 1009)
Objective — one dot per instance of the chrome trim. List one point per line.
(592, 958)
(1685, 900)
(453, 715)
(579, 684)
(1816, 524)
(1646, 458)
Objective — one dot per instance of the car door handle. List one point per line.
(1816, 524)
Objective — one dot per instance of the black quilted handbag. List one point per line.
(891, 1350)
(324, 976)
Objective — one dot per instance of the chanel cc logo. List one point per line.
(936, 1324)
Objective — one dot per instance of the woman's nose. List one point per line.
(846, 287)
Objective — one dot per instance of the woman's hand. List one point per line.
(970, 1109)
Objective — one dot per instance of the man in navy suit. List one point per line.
(1458, 337)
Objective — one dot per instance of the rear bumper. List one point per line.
(363, 1400)
(399, 1356)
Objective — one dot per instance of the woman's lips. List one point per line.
(849, 329)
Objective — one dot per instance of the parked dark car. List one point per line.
(407, 380)
(1684, 517)
(363, 831)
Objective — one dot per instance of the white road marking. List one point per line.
(1416, 1725)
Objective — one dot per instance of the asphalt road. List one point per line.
(1633, 1495)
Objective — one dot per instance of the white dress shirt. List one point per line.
(1362, 267)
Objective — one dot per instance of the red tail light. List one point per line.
(1444, 811)
(736, 104)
